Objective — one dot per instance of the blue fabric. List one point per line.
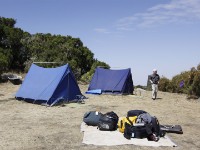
(112, 81)
(97, 91)
(48, 85)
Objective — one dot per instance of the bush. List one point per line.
(198, 67)
(165, 85)
(196, 84)
(187, 82)
(141, 87)
(177, 80)
(87, 77)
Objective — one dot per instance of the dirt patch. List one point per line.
(29, 126)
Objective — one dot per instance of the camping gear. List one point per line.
(144, 118)
(152, 123)
(92, 136)
(91, 118)
(135, 131)
(48, 86)
(145, 129)
(112, 81)
(124, 120)
(131, 113)
(13, 78)
(97, 91)
(145, 126)
(171, 129)
(108, 121)
(156, 126)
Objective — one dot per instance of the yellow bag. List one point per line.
(122, 121)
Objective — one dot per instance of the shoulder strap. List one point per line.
(129, 121)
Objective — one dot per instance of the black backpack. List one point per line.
(108, 121)
(91, 118)
(132, 113)
(156, 127)
(148, 126)
(132, 131)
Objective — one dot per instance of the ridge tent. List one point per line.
(112, 81)
(48, 85)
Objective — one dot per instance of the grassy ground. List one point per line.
(25, 126)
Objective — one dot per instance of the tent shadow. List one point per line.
(72, 102)
(6, 100)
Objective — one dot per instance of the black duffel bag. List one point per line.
(132, 131)
(108, 121)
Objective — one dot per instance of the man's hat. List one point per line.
(154, 70)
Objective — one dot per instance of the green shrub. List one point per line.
(187, 82)
(141, 87)
(198, 67)
(196, 84)
(165, 85)
(87, 77)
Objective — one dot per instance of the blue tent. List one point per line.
(48, 85)
(112, 81)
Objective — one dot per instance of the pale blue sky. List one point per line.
(137, 34)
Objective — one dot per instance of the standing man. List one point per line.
(154, 79)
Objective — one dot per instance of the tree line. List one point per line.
(19, 49)
(187, 82)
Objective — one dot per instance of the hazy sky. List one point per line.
(137, 34)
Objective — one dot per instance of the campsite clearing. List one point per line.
(29, 126)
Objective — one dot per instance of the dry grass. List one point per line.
(25, 126)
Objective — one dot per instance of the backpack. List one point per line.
(152, 123)
(144, 118)
(108, 121)
(135, 131)
(131, 113)
(145, 126)
(156, 127)
(124, 120)
(91, 118)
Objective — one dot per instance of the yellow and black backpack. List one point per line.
(123, 120)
